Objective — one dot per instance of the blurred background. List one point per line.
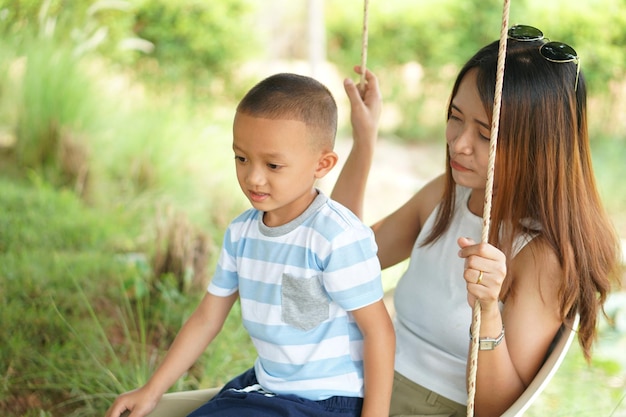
(117, 182)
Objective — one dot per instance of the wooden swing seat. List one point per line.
(179, 404)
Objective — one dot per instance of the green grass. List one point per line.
(76, 331)
(50, 242)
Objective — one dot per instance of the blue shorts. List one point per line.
(243, 397)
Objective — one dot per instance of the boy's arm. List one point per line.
(379, 345)
(192, 339)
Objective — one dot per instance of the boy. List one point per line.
(304, 268)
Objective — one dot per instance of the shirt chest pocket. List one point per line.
(305, 304)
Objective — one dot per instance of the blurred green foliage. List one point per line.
(174, 41)
(85, 24)
(416, 48)
(430, 33)
(76, 327)
(201, 41)
(194, 40)
(448, 32)
(55, 95)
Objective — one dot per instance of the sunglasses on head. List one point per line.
(558, 52)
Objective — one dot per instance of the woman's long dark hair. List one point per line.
(543, 173)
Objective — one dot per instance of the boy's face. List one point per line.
(277, 166)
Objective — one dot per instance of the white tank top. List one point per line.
(433, 316)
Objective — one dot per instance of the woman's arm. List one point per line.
(192, 339)
(379, 344)
(396, 233)
(530, 318)
(365, 112)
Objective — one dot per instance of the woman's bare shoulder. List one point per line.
(537, 267)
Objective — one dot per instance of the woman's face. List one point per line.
(467, 135)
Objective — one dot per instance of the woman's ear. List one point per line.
(326, 162)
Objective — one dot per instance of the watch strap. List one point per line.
(489, 343)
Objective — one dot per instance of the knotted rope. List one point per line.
(493, 142)
(364, 45)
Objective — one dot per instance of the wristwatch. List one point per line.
(489, 343)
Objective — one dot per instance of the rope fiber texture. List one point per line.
(493, 142)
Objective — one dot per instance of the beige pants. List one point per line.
(412, 400)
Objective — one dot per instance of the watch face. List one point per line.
(488, 344)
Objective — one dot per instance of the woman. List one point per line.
(552, 251)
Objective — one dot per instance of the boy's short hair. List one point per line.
(295, 97)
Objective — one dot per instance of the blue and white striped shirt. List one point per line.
(297, 284)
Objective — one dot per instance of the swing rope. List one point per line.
(364, 45)
(493, 142)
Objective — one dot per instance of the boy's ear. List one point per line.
(326, 162)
